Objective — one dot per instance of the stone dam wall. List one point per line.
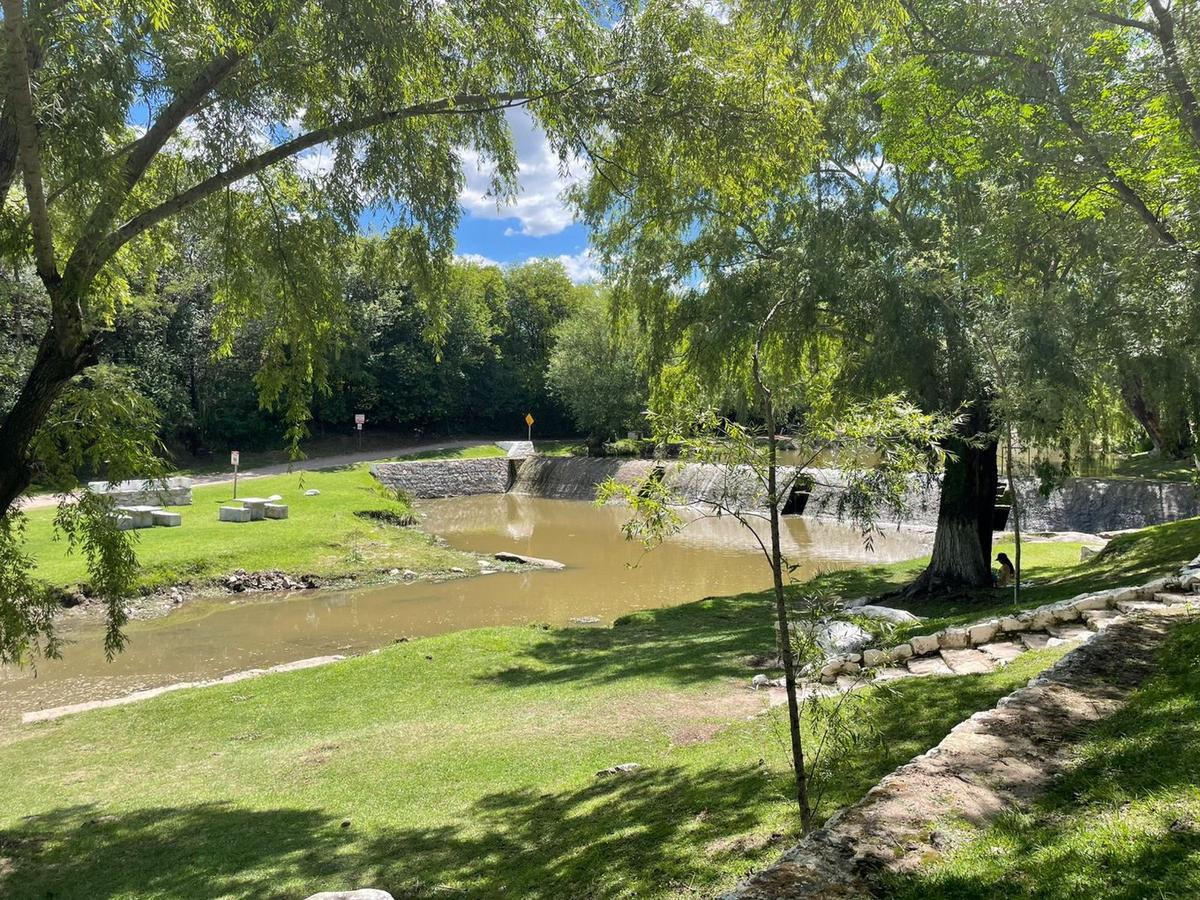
(1081, 504)
(447, 477)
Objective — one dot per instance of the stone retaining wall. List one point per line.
(448, 477)
(1080, 504)
(167, 492)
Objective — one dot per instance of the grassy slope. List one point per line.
(1052, 568)
(322, 536)
(463, 763)
(1124, 822)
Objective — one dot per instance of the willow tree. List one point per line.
(1090, 109)
(126, 126)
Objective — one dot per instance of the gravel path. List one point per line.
(317, 462)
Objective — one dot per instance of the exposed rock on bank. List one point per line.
(505, 556)
(241, 582)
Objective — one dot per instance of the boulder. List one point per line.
(886, 614)
(760, 681)
(1012, 623)
(505, 556)
(620, 769)
(836, 638)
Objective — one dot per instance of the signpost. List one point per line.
(529, 426)
(359, 419)
(234, 459)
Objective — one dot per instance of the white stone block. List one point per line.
(164, 519)
(1092, 601)
(276, 510)
(1012, 623)
(983, 633)
(924, 644)
(233, 514)
(953, 639)
(873, 658)
(900, 652)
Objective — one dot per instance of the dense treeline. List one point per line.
(475, 361)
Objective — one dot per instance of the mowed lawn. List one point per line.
(458, 765)
(328, 535)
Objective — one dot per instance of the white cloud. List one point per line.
(538, 206)
(477, 259)
(581, 267)
(316, 163)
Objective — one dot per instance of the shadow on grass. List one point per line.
(687, 644)
(1124, 822)
(639, 831)
(678, 829)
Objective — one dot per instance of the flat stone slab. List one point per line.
(1071, 632)
(1173, 597)
(1038, 640)
(505, 556)
(1135, 606)
(928, 665)
(892, 673)
(276, 510)
(57, 712)
(1002, 651)
(164, 519)
(968, 662)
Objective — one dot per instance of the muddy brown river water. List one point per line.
(207, 639)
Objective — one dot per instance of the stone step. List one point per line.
(928, 665)
(1099, 619)
(1173, 597)
(891, 673)
(1038, 640)
(1135, 606)
(968, 662)
(1071, 632)
(1002, 651)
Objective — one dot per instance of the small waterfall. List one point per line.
(566, 478)
(734, 487)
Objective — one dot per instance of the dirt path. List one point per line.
(316, 462)
(995, 760)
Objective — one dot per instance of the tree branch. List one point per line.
(463, 104)
(1189, 108)
(20, 99)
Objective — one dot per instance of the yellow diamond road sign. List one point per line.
(528, 418)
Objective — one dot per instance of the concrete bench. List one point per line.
(142, 516)
(164, 519)
(124, 523)
(233, 514)
(256, 506)
(276, 510)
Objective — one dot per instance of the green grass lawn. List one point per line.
(1149, 465)
(465, 764)
(1124, 822)
(458, 765)
(325, 535)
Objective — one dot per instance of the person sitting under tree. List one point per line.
(1007, 570)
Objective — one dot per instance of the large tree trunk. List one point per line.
(962, 546)
(60, 358)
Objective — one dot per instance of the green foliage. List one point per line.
(27, 608)
(596, 371)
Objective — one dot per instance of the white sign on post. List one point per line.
(359, 418)
(234, 457)
(358, 425)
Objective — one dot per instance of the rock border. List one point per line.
(990, 762)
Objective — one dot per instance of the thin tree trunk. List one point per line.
(1016, 512)
(781, 615)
